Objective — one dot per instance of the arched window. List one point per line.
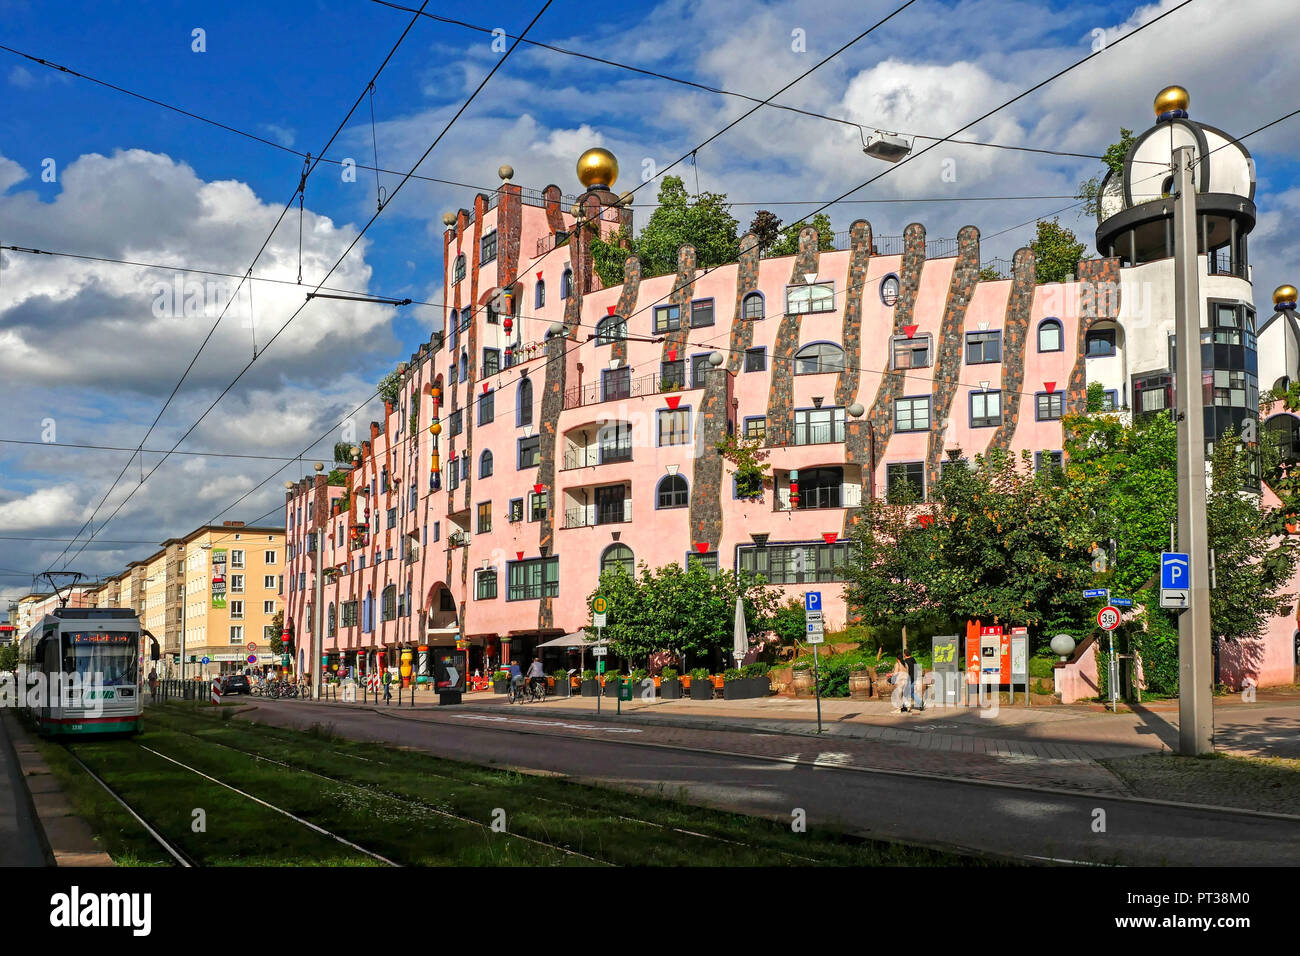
(539, 294)
(618, 556)
(889, 287)
(524, 403)
(752, 306)
(464, 367)
(566, 284)
(819, 357)
(389, 603)
(331, 621)
(1051, 336)
(485, 465)
(460, 268)
(610, 329)
(1287, 430)
(672, 492)
(804, 298)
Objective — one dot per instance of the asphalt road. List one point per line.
(19, 845)
(992, 819)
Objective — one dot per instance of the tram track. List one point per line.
(414, 801)
(178, 855)
(550, 800)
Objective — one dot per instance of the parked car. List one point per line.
(236, 684)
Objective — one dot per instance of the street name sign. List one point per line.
(1095, 592)
(1122, 602)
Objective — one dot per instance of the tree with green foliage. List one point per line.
(9, 658)
(687, 611)
(1090, 189)
(1056, 251)
(990, 274)
(766, 227)
(788, 243)
(887, 572)
(390, 387)
(343, 452)
(704, 222)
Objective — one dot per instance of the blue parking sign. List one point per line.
(812, 601)
(1175, 572)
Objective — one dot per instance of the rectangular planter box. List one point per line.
(670, 689)
(611, 688)
(501, 687)
(737, 689)
(560, 688)
(701, 690)
(591, 688)
(760, 686)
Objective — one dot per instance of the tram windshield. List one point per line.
(109, 657)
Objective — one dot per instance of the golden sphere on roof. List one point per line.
(1284, 293)
(449, 219)
(507, 173)
(1171, 98)
(597, 167)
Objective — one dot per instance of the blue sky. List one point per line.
(84, 346)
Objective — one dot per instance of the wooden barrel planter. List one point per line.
(859, 685)
(803, 683)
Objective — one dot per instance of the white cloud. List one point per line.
(39, 509)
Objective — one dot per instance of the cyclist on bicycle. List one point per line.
(536, 674)
(516, 678)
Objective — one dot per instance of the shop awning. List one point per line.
(576, 639)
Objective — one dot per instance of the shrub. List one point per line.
(669, 673)
(802, 665)
(700, 673)
(1040, 667)
(560, 674)
(732, 673)
(639, 675)
(756, 669)
(500, 675)
(588, 675)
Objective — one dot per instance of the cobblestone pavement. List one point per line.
(1229, 781)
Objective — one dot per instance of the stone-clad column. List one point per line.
(846, 386)
(557, 347)
(627, 304)
(1098, 301)
(682, 292)
(1015, 335)
(780, 404)
(880, 417)
(742, 331)
(948, 354)
(706, 480)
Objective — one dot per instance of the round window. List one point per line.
(889, 290)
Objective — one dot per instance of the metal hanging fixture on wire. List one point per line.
(886, 146)
(302, 192)
(374, 141)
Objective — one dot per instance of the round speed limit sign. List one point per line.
(1108, 617)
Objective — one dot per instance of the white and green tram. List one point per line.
(80, 671)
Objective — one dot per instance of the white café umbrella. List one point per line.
(739, 637)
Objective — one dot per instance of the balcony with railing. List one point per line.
(590, 456)
(616, 388)
(593, 506)
(819, 489)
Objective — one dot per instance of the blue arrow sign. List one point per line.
(812, 601)
(1175, 570)
(1096, 592)
(1122, 602)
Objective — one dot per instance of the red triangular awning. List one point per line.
(1050, 386)
(673, 401)
(910, 330)
(702, 547)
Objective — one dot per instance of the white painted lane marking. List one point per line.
(545, 723)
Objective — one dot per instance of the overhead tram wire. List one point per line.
(392, 195)
(89, 523)
(706, 88)
(1019, 96)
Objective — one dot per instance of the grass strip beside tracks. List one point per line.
(412, 808)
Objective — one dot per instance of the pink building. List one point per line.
(557, 427)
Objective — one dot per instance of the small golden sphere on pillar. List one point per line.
(597, 167)
(1170, 99)
(1285, 294)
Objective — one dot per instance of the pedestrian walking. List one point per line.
(917, 695)
(388, 686)
(153, 682)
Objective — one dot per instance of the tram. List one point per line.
(80, 671)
